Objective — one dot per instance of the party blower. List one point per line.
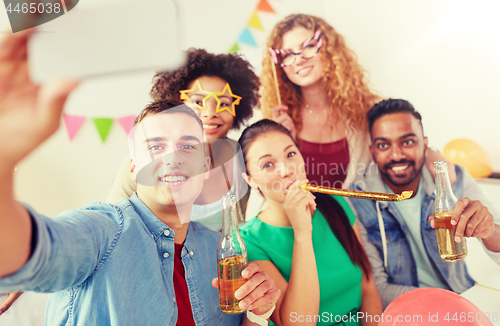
(358, 194)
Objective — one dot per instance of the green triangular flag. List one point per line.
(103, 126)
(235, 48)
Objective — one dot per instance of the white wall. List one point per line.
(442, 55)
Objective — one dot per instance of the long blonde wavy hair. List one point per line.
(344, 79)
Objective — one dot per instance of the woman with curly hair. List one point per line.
(222, 89)
(325, 97)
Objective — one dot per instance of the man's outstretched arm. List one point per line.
(29, 114)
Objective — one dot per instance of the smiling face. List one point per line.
(169, 160)
(398, 147)
(215, 124)
(273, 163)
(304, 72)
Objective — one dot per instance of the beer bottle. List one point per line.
(445, 202)
(231, 258)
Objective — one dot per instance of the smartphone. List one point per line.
(100, 39)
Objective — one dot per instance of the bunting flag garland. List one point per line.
(255, 23)
(265, 6)
(73, 124)
(247, 38)
(103, 126)
(235, 48)
(126, 122)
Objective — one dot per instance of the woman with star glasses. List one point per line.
(222, 89)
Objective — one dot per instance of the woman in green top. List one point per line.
(309, 244)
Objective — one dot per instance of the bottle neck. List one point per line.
(444, 193)
(229, 223)
(231, 244)
(442, 181)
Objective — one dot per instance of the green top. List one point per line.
(339, 278)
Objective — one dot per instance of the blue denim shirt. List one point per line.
(113, 265)
(401, 267)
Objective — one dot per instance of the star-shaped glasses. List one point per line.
(197, 91)
(308, 50)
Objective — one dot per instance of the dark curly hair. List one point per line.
(230, 67)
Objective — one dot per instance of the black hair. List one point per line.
(332, 211)
(390, 106)
(232, 68)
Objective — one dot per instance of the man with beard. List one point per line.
(399, 236)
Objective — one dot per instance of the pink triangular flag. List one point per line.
(73, 124)
(126, 122)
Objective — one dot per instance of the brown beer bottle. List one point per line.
(445, 202)
(231, 258)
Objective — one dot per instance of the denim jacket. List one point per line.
(113, 265)
(385, 235)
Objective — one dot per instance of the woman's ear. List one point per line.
(207, 163)
(249, 180)
(206, 168)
